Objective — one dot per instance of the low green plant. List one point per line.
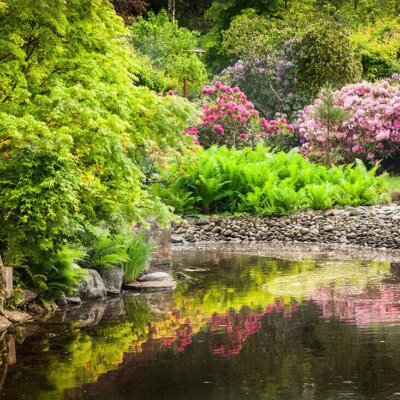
(138, 253)
(105, 249)
(54, 274)
(264, 183)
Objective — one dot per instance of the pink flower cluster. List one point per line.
(229, 118)
(276, 127)
(371, 132)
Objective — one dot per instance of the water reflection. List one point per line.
(249, 327)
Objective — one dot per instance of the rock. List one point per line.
(216, 219)
(155, 277)
(151, 286)
(183, 277)
(16, 317)
(153, 282)
(4, 323)
(36, 309)
(92, 287)
(363, 226)
(61, 301)
(177, 239)
(73, 300)
(196, 270)
(27, 296)
(328, 228)
(112, 278)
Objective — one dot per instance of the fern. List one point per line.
(264, 183)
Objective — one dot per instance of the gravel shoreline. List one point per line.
(359, 227)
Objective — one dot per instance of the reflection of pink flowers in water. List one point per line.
(371, 306)
(234, 328)
(230, 330)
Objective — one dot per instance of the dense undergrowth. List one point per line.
(263, 183)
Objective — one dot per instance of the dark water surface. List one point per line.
(246, 328)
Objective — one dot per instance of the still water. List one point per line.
(242, 328)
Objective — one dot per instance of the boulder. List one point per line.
(92, 287)
(112, 278)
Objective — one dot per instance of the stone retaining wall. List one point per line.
(374, 227)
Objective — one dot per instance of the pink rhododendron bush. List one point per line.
(229, 118)
(370, 132)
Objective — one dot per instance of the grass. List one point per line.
(393, 184)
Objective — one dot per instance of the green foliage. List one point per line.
(170, 49)
(378, 46)
(73, 123)
(104, 249)
(138, 253)
(262, 183)
(53, 275)
(323, 54)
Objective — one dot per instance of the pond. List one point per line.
(244, 327)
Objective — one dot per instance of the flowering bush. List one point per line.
(228, 118)
(269, 82)
(371, 132)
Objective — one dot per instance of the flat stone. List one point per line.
(16, 317)
(155, 277)
(196, 270)
(4, 323)
(151, 286)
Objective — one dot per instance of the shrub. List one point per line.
(138, 253)
(323, 54)
(266, 70)
(258, 182)
(228, 118)
(371, 132)
(378, 46)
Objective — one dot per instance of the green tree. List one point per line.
(171, 49)
(323, 55)
(72, 126)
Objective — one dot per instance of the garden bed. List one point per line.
(366, 227)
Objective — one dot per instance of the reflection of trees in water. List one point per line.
(287, 314)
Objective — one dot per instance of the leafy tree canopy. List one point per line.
(73, 124)
(170, 49)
